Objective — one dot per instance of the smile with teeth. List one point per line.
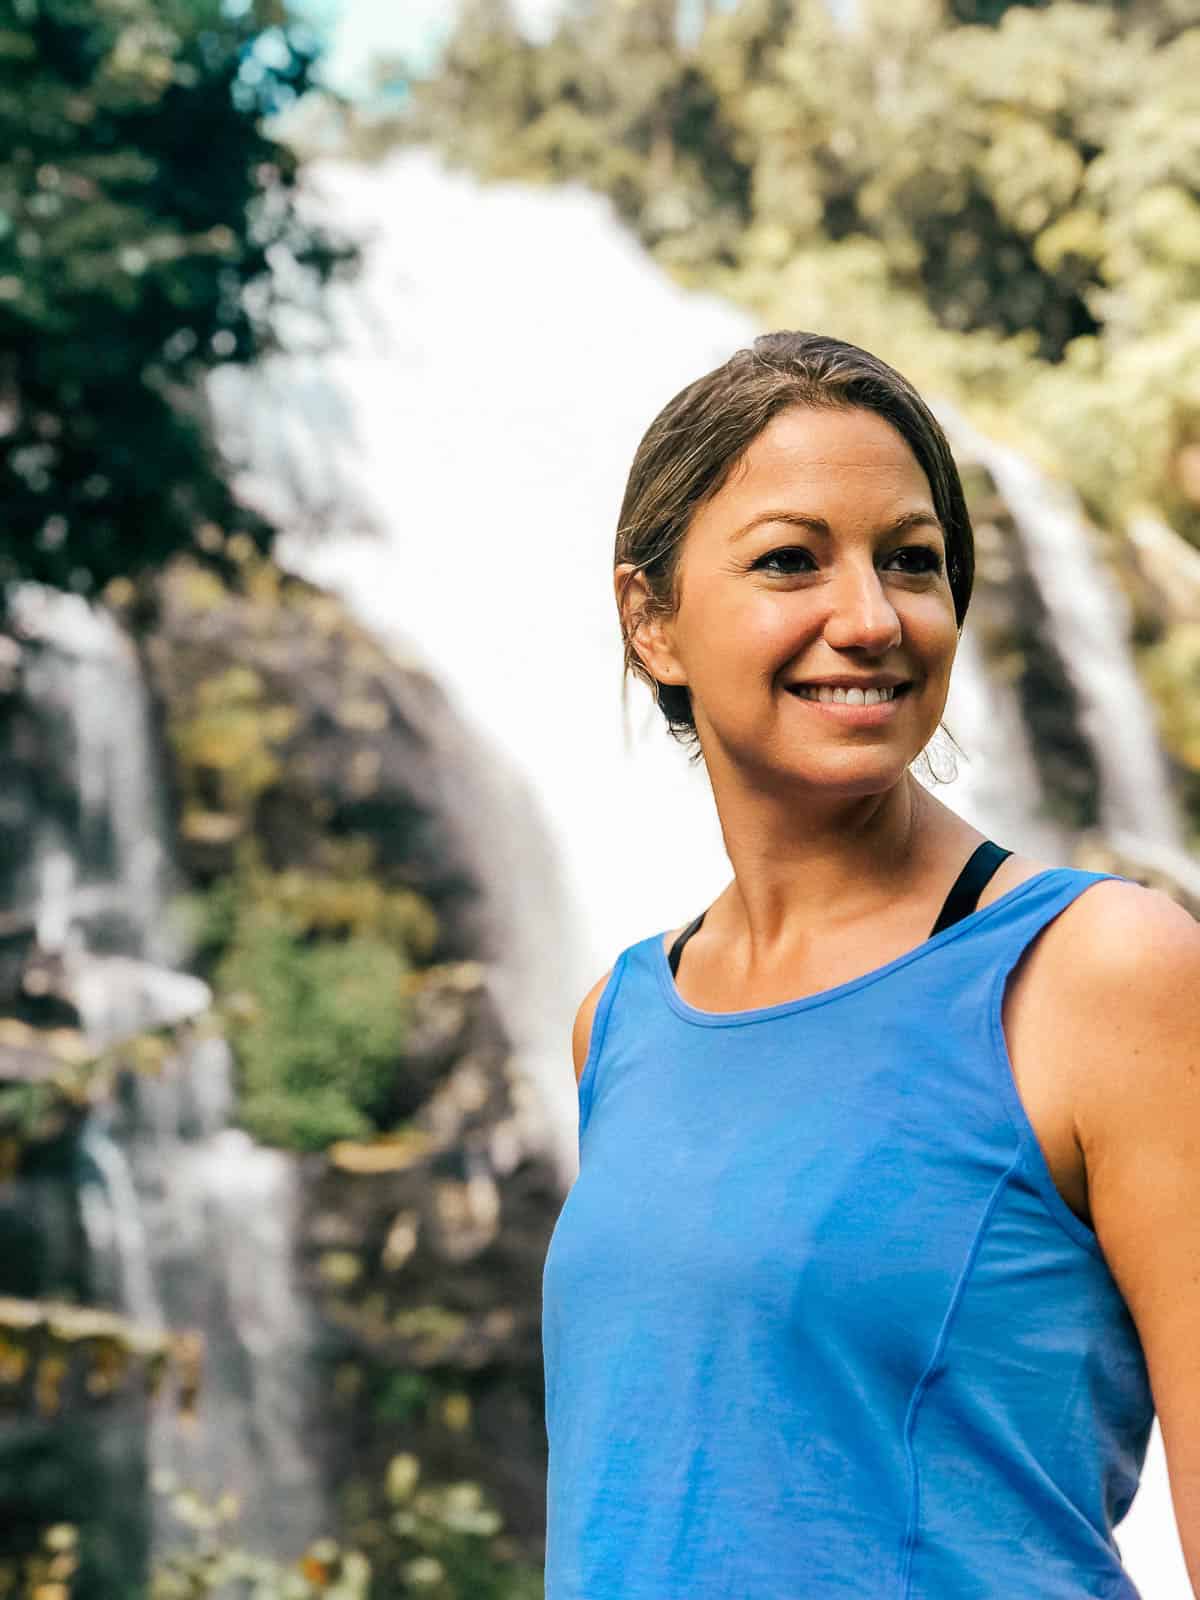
(850, 697)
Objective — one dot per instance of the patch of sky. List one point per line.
(364, 33)
(358, 37)
(269, 60)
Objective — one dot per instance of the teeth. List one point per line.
(838, 696)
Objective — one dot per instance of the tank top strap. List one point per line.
(960, 902)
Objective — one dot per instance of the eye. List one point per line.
(772, 555)
(928, 559)
(925, 559)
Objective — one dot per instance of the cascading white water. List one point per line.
(486, 416)
(188, 1223)
(112, 1220)
(220, 1215)
(1091, 630)
(111, 856)
(999, 780)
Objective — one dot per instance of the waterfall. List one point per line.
(1091, 630)
(473, 428)
(99, 856)
(112, 1220)
(430, 388)
(220, 1215)
(188, 1224)
(998, 788)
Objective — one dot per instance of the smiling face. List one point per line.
(821, 557)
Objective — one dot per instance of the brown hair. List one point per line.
(698, 438)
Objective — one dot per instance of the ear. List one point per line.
(651, 635)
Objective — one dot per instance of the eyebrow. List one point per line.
(801, 519)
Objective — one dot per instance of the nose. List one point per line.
(860, 614)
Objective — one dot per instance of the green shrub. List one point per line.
(318, 1029)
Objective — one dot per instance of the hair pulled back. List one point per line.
(697, 440)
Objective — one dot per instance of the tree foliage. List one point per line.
(1006, 206)
(1001, 198)
(146, 218)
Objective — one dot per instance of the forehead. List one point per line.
(818, 459)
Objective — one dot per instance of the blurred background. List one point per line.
(327, 333)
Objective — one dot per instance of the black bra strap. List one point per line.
(967, 887)
(677, 947)
(960, 902)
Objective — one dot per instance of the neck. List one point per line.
(805, 866)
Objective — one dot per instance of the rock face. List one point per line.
(1017, 638)
(420, 1252)
(424, 1256)
(372, 1309)
(288, 723)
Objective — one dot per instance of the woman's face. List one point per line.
(820, 558)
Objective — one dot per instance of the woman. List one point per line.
(885, 1244)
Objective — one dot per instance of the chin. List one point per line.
(857, 775)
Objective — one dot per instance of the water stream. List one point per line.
(1091, 629)
(188, 1224)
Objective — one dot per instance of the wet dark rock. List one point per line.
(324, 737)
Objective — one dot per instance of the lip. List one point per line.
(856, 716)
(884, 680)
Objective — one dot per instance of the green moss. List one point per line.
(226, 746)
(317, 1028)
(403, 1396)
(345, 900)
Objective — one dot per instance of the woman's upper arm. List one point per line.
(581, 1033)
(1131, 1005)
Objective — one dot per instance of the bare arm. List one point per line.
(1131, 1002)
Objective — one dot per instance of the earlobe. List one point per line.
(655, 651)
(657, 662)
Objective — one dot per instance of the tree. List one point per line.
(143, 207)
(1007, 208)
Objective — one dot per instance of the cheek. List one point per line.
(781, 620)
(931, 624)
(753, 629)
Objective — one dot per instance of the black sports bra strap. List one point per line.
(677, 947)
(959, 903)
(968, 886)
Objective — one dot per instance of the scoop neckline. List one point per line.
(725, 1019)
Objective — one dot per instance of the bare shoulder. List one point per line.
(1127, 934)
(1117, 943)
(1125, 981)
(581, 1033)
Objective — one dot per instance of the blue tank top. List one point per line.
(816, 1320)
